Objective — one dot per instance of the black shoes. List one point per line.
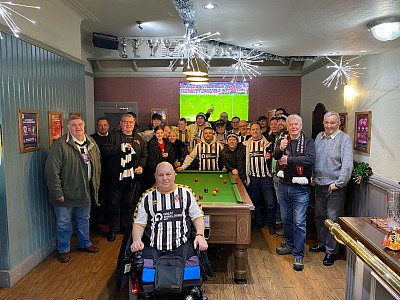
(317, 248)
(111, 236)
(329, 260)
(90, 249)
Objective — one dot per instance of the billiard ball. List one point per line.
(225, 181)
(216, 189)
(201, 196)
(205, 190)
(196, 179)
(220, 176)
(214, 193)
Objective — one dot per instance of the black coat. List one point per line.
(235, 159)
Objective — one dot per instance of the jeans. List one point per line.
(64, 226)
(267, 188)
(294, 203)
(328, 206)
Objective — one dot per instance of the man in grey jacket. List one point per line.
(333, 168)
(73, 177)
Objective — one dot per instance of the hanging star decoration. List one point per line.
(6, 12)
(191, 47)
(244, 67)
(343, 70)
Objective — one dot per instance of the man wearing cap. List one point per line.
(207, 152)
(196, 129)
(234, 157)
(221, 133)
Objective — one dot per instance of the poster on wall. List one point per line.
(28, 129)
(343, 122)
(362, 131)
(55, 126)
(162, 112)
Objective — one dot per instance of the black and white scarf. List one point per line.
(127, 162)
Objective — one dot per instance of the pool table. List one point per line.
(227, 213)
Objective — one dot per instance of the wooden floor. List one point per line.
(270, 276)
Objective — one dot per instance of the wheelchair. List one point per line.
(142, 276)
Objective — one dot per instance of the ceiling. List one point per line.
(284, 27)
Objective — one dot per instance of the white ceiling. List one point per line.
(283, 27)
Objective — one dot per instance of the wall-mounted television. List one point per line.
(231, 97)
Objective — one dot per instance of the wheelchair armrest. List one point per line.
(137, 261)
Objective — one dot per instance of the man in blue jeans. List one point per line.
(73, 177)
(296, 155)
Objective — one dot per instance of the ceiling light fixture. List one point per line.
(343, 70)
(385, 29)
(6, 13)
(209, 6)
(195, 67)
(197, 78)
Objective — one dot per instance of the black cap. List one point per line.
(232, 135)
(219, 123)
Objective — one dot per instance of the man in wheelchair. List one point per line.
(162, 227)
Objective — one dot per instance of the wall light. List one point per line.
(385, 29)
(349, 94)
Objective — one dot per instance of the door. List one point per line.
(113, 111)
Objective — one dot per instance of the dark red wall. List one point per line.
(265, 93)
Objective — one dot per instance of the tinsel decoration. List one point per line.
(187, 13)
(6, 13)
(343, 71)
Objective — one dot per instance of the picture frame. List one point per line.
(343, 122)
(362, 131)
(28, 130)
(56, 126)
(270, 113)
(163, 113)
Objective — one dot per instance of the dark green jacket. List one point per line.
(66, 173)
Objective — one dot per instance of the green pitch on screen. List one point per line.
(193, 103)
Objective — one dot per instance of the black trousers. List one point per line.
(121, 204)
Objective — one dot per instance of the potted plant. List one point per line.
(361, 172)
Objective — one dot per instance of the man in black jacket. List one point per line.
(234, 157)
(125, 154)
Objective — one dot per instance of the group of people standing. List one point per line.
(277, 163)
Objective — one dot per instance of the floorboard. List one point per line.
(270, 276)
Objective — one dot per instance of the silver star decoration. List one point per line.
(244, 65)
(6, 13)
(343, 71)
(191, 47)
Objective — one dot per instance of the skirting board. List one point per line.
(9, 277)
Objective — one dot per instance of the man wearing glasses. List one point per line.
(235, 125)
(125, 155)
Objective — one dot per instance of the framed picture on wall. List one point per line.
(56, 126)
(162, 112)
(343, 122)
(28, 130)
(362, 131)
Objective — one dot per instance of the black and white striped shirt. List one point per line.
(208, 155)
(257, 160)
(167, 217)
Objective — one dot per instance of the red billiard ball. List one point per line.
(225, 181)
(201, 196)
(214, 193)
(196, 179)
(216, 189)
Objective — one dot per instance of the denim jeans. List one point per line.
(294, 202)
(64, 226)
(328, 206)
(267, 188)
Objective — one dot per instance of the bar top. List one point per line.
(363, 230)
